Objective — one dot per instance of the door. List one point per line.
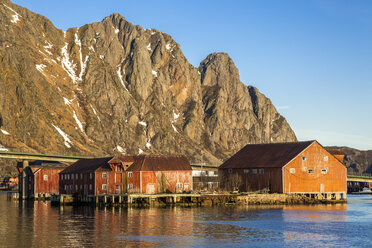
(118, 183)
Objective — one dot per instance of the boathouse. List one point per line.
(152, 174)
(42, 178)
(297, 167)
(96, 176)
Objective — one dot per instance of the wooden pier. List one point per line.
(154, 200)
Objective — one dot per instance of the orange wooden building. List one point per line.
(42, 178)
(152, 174)
(297, 167)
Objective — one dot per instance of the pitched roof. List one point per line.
(265, 155)
(159, 163)
(88, 165)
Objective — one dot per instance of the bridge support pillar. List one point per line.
(24, 180)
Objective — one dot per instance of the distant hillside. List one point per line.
(356, 161)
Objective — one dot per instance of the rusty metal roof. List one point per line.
(265, 155)
(88, 165)
(159, 163)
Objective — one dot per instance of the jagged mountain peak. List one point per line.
(112, 86)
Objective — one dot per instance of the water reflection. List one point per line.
(37, 224)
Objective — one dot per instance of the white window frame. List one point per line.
(303, 158)
(130, 174)
(310, 171)
(130, 186)
(104, 186)
(179, 185)
(261, 171)
(324, 171)
(104, 175)
(90, 187)
(45, 177)
(326, 158)
(292, 170)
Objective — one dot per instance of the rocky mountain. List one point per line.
(112, 86)
(356, 161)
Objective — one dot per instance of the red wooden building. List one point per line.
(297, 167)
(42, 178)
(93, 177)
(152, 174)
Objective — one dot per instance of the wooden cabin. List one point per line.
(297, 167)
(152, 174)
(42, 178)
(96, 176)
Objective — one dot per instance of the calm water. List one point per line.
(40, 225)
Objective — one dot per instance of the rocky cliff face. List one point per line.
(112, 86)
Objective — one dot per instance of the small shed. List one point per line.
(295, 167)
(152, 174)
(42, 178)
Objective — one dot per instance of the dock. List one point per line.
(196, 200)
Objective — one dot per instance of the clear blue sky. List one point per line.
(313, 59)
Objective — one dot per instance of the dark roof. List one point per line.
(88, 165)
(159, 163)
(265, 155)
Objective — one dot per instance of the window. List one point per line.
(254, 171)
(324, 171)
(68, 176)
(230, 171)
(91, 175)
(325, 158)
(104, 186)
(45, 177)
(71, 186)
(246, 171)
(303, 158)
(61, 176)
(81, 186)
(72, 176)
(310, 171)
(104, 175)
(77, 176)
(130, 186)
(76, 187)
(261, 171)
(90, 186)
(81, 175)
(65, 187)
(215, 173)
(179, 185)
(130, 174)
(292, 170)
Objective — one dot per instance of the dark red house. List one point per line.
(152, 174)
(42, 178)
(296, 167)
(93, 177)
